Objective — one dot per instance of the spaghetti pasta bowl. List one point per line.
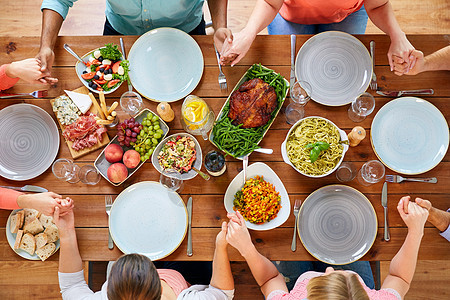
(311, 130)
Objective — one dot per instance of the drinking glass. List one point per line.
(196, 116)
(131, 103)
(89, 175)
(346, 172)
(361, 107)
(299, 92)
(371, 172)
(66, 170)
(171, 179)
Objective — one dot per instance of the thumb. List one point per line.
(224, 227)
(238, 59)
(400, 210)
(391, 64)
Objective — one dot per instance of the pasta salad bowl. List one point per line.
(314, 147)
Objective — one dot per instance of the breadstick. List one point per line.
(103, 104)
(97, 118)
(111, 118)
(113, 107)
(99, 110)
(114, 113)
(104, 122)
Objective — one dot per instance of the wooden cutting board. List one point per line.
(105, 139)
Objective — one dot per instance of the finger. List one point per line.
(42, 80)
(224, 227)
(241, 218)
(390, 61)
(397, 60)
(400, 210)
(238, 59)
(56, 215)
(55, 195)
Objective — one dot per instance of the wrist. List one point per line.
(397, 35)
(416, 233)
(22, 200)
(67, 234)
(10, 70)
(249, 32)
(248, 251)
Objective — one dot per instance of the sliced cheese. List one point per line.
(81, 100)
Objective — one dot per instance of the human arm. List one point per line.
(382, 15)
(263, 13)
(403, 265)
(263, 270)
(222, 278)
(439, 218)
(28, 70)
(51, 24)
(439, 60)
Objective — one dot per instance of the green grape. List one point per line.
(157, 135)
(150, 152)
(137, 148)
(150, 128)
(154, 141)
(147, 156)
(141, 133)
(154, 119)
(132, 144)
(160, 131)
(149, 115)
(147, 141)
(156, 127)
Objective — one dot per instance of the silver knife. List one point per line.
(406, 92)
(387, 236)
(189, 210)
(27, 188)
(293, 41)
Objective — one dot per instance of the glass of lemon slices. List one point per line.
(196, 116)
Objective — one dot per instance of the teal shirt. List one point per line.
(133, 17)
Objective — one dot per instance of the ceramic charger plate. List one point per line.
(336, 65)
(409, 135)
(11, 237)
(270, 176)
(166, 64)
(148, 219)
(337, 224)
(29, 141)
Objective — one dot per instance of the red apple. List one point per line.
(113, 153)
(117, 172)
(131, 159)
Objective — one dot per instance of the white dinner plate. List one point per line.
(409, 135)
(11, 237)
(198, 156)
(29, 141)
(336, 65)
(166, 64)
(270, 176)
(148, 219)
(337, 224)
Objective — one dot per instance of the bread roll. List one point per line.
(41, 239)
(28, 243)
(46, 251)
(18, 239)
(30, 214)
(52, 233)
(14, 224)
(46, 221)
(33, 227)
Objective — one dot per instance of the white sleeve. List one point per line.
(73, 286)
(205, 292)
(446, 233)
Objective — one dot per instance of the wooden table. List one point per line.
(208, 210)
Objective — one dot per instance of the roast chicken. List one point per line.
(252, 104)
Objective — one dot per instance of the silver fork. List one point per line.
(35, 94)
(108, 205)
(222, 78)
(373, 83)
(398, 179)
(297, 204)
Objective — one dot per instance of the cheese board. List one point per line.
(71, 117)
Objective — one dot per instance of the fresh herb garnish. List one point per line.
(110, 52)
(316, 149)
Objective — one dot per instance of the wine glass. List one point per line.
(89, 175)
(171, 179)
(131, 102)
(361, 107)
(371, 172)
(299, 92)
(66, 170)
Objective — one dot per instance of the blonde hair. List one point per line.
(134, 277)
(336, 286)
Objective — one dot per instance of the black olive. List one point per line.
(96, 77)
(100, 58)
(84, 72)
(102, 70)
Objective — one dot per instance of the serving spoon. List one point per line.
(203, 175)
(68, 49)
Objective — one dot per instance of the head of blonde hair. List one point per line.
(134, 277)
(336, 286)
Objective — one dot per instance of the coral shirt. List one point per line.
(5, 81)
(318, 11)
(8, 198)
